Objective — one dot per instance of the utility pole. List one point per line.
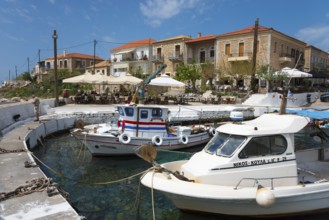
(39, 55)
(16, 71)
(55, 68)
(28, 65)
(254, 57)
(95, 42)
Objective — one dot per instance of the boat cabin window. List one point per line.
(156, 112)
(129, 112)
(120, 110)
(224, 144)
(144, 114)
(263, 146)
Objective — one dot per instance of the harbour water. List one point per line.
(108, 188)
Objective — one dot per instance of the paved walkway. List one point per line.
(14, 174)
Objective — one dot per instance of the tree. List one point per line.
(267, 73)
(188, 72)
(208, 72)
(25, 76)
(236, 70)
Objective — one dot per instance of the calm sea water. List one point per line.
(94, 194)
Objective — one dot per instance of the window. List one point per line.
(224, 144)
(275, 44)
(216, 142)
(159, 51)
(202, 55)
(229, 146)
(156, 112)
(241, 49)
(129, 112)
(263, 146)
(144, 114)
(60, 63)
(177, 50)
(212, 52)
(227, 49)
(293, 52)
(120, 110)
(65, 63)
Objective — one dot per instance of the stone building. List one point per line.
(170, 51)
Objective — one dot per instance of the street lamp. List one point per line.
(55, 67)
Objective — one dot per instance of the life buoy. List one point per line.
(124, 138)
(212, 132)
(157, 140)
(183, 139)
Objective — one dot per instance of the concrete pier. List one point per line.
(42, 203)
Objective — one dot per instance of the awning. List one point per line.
(316, 74)
(124, 51)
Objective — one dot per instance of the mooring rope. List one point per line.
(35, 185)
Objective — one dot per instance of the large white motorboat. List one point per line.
(249, 169)
(140, 125)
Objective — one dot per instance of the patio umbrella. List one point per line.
(165, 80)
(293, 73)
(124, 80)
(88, 78)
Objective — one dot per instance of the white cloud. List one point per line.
(14, 38)
(5, 21)
(108, 39)
(93, 8)
(34, 7)
(156, 11)
(67, 9)
(317, 36)
(52, 1)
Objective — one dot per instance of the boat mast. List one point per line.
(254, 57)
(147, 81)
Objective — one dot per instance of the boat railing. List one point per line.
(256, 180)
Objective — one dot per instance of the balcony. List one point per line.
(176, 57)
(236, 57)
(285, 58)
(157, 59)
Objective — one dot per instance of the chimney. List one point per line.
(199, 34)
(64, 53)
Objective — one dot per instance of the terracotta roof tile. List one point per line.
(203, 38)
(174, 38)
(76, 55)
(247, 30)
(104, 63)
(134, 44)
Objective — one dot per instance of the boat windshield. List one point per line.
(224, 144)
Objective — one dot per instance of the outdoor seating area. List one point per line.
(92, 97)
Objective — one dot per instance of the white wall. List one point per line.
(24, 109)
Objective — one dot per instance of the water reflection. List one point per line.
(94, 193)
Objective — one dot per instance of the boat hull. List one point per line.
(196, 197)
(102, 145)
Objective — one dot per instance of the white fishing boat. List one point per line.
(140, 125)
(249, 168)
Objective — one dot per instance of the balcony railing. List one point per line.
(285, 58)
(157, 59)
(246, 56)
(176, 57)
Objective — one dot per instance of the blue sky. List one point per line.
(26, 26)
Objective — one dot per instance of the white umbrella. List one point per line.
(88, 78)
(293, 73)
(124, 80)
(165, 80)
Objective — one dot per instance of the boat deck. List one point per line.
(313, 171)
